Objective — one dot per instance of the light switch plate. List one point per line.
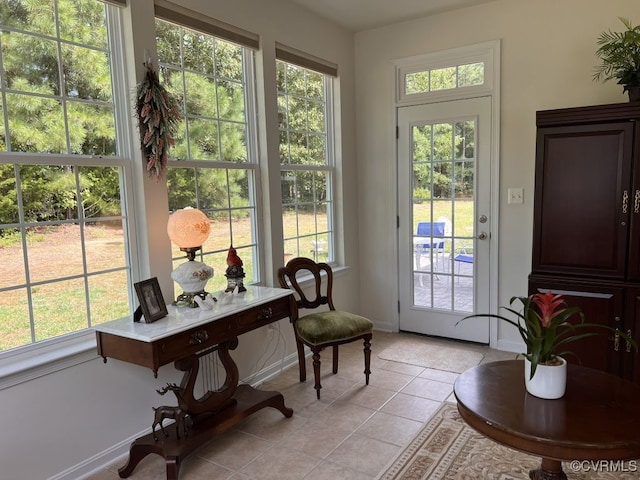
(515, 195)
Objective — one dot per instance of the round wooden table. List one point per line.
(597, 419)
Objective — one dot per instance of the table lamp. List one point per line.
(189, 228)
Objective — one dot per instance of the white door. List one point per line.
(444, 206)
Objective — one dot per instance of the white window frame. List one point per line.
(486, 53)
(251, 166)
(28, 362)
(329, 73)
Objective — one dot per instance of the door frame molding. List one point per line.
(489, 53)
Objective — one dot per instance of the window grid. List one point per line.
(63, 215)
(307, 170)
(452, 77)
(214, 164)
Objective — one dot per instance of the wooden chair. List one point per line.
(319, 330)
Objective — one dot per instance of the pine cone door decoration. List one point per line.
(158, 116)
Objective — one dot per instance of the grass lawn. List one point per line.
(59, 306)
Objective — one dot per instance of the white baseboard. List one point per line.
(510, 346)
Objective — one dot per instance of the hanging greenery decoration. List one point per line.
(158, 115)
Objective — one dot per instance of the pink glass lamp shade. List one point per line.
(189, 228)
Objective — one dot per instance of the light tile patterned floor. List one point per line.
(351, 433)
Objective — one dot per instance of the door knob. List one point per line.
(482, 236)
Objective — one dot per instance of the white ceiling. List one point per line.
(357, 15)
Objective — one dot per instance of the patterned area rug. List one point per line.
(432, 355)
(447, 449)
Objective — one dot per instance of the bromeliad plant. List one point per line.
(543, 323)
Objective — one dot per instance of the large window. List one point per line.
(306, 158)
(67, 239)
(63, 216)
(214, 160)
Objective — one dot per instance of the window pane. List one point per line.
(104, 246)
(203, 139)
(443, 78)
(59, 308)
(30, 63)
(92, 129)
(36, 124)
(80, 82)
(470, 75)
(101, 192)
(197, 50)
(464, 139)
(417, 82)
(12, 273)
(89, 24)
(229, 61)
(8, 196)
(15, 327)
(421, 143)
(442, 148)
(108, 294)
(233, 142)
(34, 16)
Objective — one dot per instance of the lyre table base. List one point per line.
(175, 451)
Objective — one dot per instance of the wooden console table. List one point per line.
(183, 337)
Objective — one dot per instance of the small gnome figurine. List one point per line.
(235, 272)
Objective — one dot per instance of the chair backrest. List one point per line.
(434, 230)
(301, 267)
(427, 228)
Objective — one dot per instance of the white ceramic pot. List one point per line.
(549, 381)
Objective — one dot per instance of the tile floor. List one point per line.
(351, 433)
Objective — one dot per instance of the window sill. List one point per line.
(27, 363)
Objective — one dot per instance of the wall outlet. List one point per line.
(515, 195)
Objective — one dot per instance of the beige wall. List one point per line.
(547, 62)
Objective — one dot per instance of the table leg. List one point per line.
(549, 470)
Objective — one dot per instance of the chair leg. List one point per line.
(367, 357)
(335, 359)
(302, 365)
(316, 370)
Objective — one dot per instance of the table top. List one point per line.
(184, 318)
(598, 417)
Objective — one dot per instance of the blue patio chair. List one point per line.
(463, 255)
(429, 238)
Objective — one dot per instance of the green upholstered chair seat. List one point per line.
(330, 326)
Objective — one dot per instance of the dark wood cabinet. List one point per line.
(586, 233)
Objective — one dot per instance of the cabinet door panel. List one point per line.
(633, 273)
(582, 176)
(600, 304)
(631, 359)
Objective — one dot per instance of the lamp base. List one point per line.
(188, 299)
(192, 276)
